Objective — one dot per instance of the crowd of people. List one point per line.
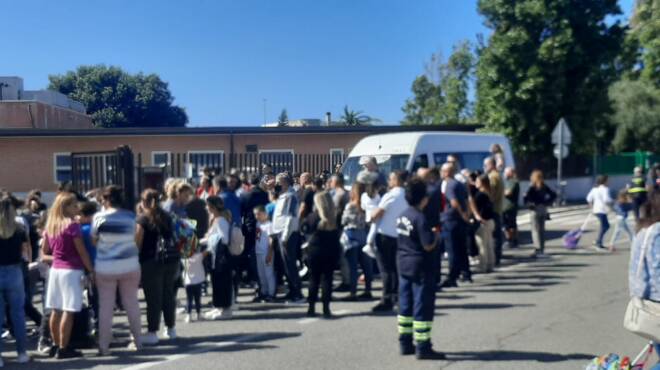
(269, 232)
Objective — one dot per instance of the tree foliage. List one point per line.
(356, 118)
(644, 38)
(115, 98)
(636, 115)
(546, 60)
(442, 99)
(283, 119)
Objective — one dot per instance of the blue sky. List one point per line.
(222, 58)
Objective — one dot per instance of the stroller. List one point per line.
(614, 362)
(572, 238)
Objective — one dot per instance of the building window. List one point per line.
(212, 159)
(61, 167)
(280, 160)
(161, 158)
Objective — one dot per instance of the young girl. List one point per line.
(193, 278)
(63, 238)
(622, 206)
(600, 200)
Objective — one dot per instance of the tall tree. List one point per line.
(440, 96)
(283, 119)
(547, 59)
(636, 115)
(115, 98)
(644, 36)
(356, 118)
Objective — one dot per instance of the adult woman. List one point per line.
(179, 193)
(221, 265)
(13, 246)
(354, 237)
(117, 266)
(160, 269)
(323, 252)
(643, 272)
(600, 200)
(482, 210)
(63, 239)
(498, 154)
(538, 197)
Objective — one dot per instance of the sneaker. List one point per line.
(23, 358)
(369, 250)
(64, 353)
(342, 288)
(169, 333)
(449, 284)
(297, 301)
(383, 307)
(6, 335)
(151, 338)
(43, 348)
(599, 248)
(133, 346)
(303, 272)
(187, 319)
(430, 354)
(52, 351)
(181, 310)
(211, 315)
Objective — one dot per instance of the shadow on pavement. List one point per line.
(516, 356)
(156, 354)
(482, 306)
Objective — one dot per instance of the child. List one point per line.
(622, 206)
(87, 211)
(194, 276)
(369, 202)
(264, 252)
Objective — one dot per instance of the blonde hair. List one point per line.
(536, 179)
(325, 208)
(57, 220)
(8, 224)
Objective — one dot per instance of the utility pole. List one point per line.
(2, 84)
(264, 111)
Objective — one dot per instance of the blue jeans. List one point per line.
(355, 256)
(604, 226)
(12, 292)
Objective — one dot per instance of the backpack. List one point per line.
(167, 250)
(236, 240)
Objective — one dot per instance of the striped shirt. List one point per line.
(116, 250)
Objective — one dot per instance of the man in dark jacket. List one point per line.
(257, 196)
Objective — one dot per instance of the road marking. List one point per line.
(206, 347)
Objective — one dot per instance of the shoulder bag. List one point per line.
(643, 316)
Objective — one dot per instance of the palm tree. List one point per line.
(356, 118)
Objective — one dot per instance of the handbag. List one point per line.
(643, 316)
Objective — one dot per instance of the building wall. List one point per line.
(28, 162)
(32, 114)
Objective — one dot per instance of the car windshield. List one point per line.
(386, 164)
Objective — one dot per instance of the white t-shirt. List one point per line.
(263, 232)
(368, 204)
(394, 203)
(194, 269)
(600, 199)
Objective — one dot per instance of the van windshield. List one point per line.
(470, 160)
(386, 164)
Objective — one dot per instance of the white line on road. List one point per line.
(206, 347)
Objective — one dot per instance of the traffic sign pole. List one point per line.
(560, 160)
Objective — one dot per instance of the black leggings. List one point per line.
(223, 289)
(194, 293)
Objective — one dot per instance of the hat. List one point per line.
(367, 159)
(367, 177)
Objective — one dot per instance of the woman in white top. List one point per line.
(221, 262)
(600, 200)
(117, 267)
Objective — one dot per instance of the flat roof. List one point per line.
(226, 130)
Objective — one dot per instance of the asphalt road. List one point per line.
(555, 313)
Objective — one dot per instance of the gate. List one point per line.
(94, 170)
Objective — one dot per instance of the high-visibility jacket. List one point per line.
(637, 186)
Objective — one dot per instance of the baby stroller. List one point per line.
(572, 238)
(614, 362)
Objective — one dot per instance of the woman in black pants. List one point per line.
(323, 251)
(221, 259)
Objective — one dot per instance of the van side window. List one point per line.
(421, 161)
